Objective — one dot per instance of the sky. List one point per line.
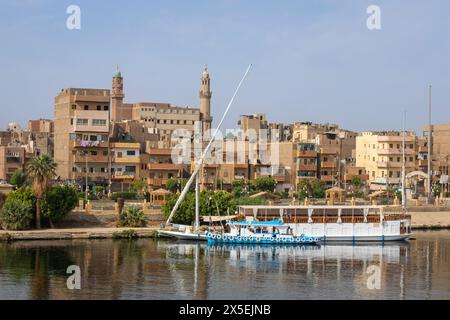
(313, 60)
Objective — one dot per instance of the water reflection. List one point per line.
(147, 269)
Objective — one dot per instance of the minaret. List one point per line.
(205, 101)
(117, 96)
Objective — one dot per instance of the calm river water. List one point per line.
(148, 269)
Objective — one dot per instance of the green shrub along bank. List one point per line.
(16, 215)
(58, 202)
(19, 209)
(124, 195)
(132, 217)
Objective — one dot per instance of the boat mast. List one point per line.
(200, 162)
(197, 207)
(403, 164)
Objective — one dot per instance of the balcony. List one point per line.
(329, 150)
(397, 152)
(157, 182)
(327, 178)
(307, 167)
(159, 151)
(91, 159)
(164, 166)
(306, 154)
(124, 175)
(127, 160)
(125, 145)
(390, 164)
(91, 175)
(89, 144)
(328, 165)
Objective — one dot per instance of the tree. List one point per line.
(311, 189)
(318, 188)
(304, 188)
(25, 195)
(265, 184)
(357, 183)
(172, 185)
(18, 179)
(41, 171)
(58, 202)
(138, 186)
(16, 215)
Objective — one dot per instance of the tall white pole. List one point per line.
(205, 152)
(430, 133)
(197, 207)
(403, 164)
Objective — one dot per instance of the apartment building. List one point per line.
(40, 126)
(325, 151)
(11, 160)
(160, 167)
(81, 136)
(440, 150)
(125, 164)
(380, 153)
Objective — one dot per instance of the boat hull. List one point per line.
(182, 235)
(362, 238)
(228, 239)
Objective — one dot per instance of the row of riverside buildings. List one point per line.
(98, 138)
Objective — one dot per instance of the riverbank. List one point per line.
(423, 220)
(78, 233)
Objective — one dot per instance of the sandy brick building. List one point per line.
(81, 135)
(380, 153)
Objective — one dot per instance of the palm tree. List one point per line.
(41, 171)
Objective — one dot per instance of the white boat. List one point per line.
(337, 223)
(187, 234)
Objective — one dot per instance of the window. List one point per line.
(74, 107)
(106, 108)
(105, 152)
(398, 159)
(391, 146)
(93, 153)
(99, 108)
(71, 121)
(82, 122)
(99, 122)
(86, 107)
(131, 153)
